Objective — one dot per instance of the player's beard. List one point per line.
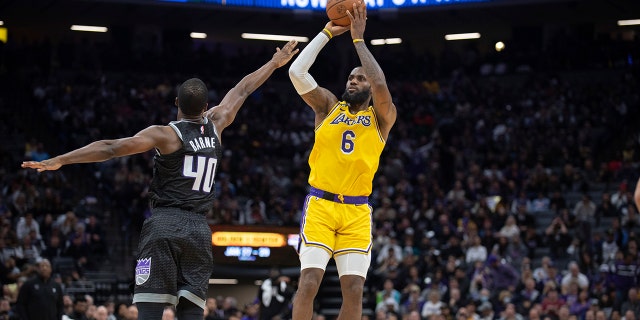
(356, 98)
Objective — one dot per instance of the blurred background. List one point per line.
(515, 152)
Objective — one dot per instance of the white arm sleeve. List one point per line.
(299, 70)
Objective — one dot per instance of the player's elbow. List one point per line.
(294, 73)
(302, 81)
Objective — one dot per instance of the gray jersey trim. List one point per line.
(191, 297)
(176, 130)
(155, 298)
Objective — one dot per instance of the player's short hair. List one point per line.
(192, 96)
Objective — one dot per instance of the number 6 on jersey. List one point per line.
(347, 141)
(205, 167)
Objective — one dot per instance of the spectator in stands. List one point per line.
(95, 236)
(552, 303)
(132, 312)
(632, 303)
(510, 313)
(101, 313)
(528, 296)
(540, 204)
(581, 305)
(574, 276)
(26, 224)
(6, 312)
(413, 302)
(40, 297)
(476, 251)
(605, 208)
(556, 237)
(432, 305)
(80, 307)
(541, 273)
(387, 291)
(629, 315)
(621, 197)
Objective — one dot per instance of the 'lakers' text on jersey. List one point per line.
(346, 152)
(184, 179)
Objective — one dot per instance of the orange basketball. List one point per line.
(337, 11)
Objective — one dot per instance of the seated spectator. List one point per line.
(414, 300)
(476, 252)
(528, 296)
(485, 311)
(580, 306)
(433, 305)
(632, 303)
(541, 273)
(552, 303)
(510, 313)
(387, 291)
(27, 224)
(540, 204)
(574, 276)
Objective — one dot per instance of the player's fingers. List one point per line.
(350, 16)
(295, 51)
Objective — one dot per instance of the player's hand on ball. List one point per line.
(358, 16)
(335, 29)
(282, 56)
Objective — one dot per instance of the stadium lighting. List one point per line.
(393, 41)
(198, 35)
(1, 23)
(629, 22)
(223, 281)
(462, 36)
(272, 37)
(379, 42)
(499, 46)
(77, 27)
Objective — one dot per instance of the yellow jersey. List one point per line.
(346, 151)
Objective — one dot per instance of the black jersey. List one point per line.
(184, 179)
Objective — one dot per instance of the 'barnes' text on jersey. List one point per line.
(184, 179)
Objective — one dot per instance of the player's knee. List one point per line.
(352, 285)
(310, 279)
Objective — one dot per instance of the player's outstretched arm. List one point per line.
(318, 98)
(382, 103)
(98, 151)
(223, 114)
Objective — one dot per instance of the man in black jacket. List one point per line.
(40, 297)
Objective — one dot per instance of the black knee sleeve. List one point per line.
(187, 310)
(150, 311)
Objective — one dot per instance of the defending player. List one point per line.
(175, 259)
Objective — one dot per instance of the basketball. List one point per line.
(337, 11)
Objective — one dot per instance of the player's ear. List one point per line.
(176, 102)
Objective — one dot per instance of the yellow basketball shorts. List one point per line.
(336, 227)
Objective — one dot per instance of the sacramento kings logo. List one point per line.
(143, 270)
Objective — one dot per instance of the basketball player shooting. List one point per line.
(175, 260)
(350, 135)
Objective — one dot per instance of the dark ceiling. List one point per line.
(57, 15)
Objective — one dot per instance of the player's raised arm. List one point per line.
(382, 103)
(223, 114)
(98, 151)
(318, 98)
